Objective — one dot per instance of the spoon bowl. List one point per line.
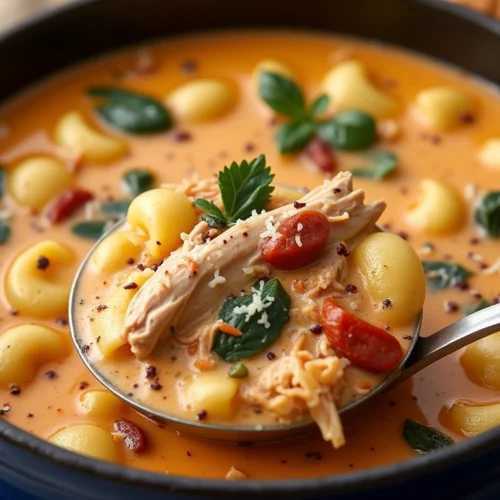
(422, 352)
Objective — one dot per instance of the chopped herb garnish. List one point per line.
(383, 164)
(349, 130)
(244, 188)
(294, 136)
(131, 112)
(487, 214)
(423, 438)
(90, 230)
(117, 208)
(137, 181)
(477, 306)
(238, 370)
(4, 232)
(260, 316)
(444, 274)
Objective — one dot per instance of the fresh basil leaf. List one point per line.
(294, 136)
(118, 208)
(137, 181)
(90, 230)
(349, 130)
(245, 188)
(384, 163)
(488, 214)
(478, 306)
(319, 106)
(274, 313)
(282, 94)
(214, 222)
(130, 111)
(3, 181)
(444, 274)
(4, 232)
(423, 438)
(210, 207)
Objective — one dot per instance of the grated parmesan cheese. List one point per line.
(264, 320)
(248, 270)
(271, 229)
(257, 305)
(218, 279)
(298, 240)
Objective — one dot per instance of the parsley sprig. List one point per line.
(244, 188)
(349, 130)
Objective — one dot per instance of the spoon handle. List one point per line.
(427, 350)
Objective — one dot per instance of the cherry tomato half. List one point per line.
(302, 241)
(66, 203)
(363, 344)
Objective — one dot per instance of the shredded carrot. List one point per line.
(298, 286)
(192, 349)
(229, 329)
(204, 365)
(364, 384)
(192, 266)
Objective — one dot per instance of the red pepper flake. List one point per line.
(231, 296)
(42, 263)
(462, 285)
(50, 374)
(467, 117)
(188, 453)
(476, 294)
(158, 243)
(321, 155)
(156, 386)
(317, 329)
(496, 300)
(202, 415)
(131, 286)
(403, 234)
(270, 355)
(181, 136)
(298, 204)
(30, 415)
(141, 267)
(248, 147)
(474, 241)
(337, 190)
(14, 312)
(101, 307)
(313, 456)
(387, 303)
(133, 437)
(65, 204)
(342, 250)
(483, 265)
(155, 267)
(450, 306)
(245, 234)
(408, 337)
(130, 261)
(62, 321)
(350, 288)
(14, 389)
(150, 371)
(83, 385)
(189, 66)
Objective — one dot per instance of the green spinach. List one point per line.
(137, 181)
(487, 214)
(423, 438)
(383, 164)
(444, 274)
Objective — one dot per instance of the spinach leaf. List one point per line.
(137, 181)
(478, 306)
(213, 222)
(487, 214)
(3, 181)
(384, 163)
(294, 136)
(444, 274)
(130, 111)
(90, 230)
(319, 106)
(270, 305)
(349, 130)
(4, 232)
(282, 94)
(423, 438)
(118, 208)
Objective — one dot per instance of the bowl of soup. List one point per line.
(185, 123)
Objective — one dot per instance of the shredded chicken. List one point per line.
(183, 305)
(297, 384)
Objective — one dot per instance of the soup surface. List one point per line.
(453, 149)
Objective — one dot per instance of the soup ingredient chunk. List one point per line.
(488, 214)
(423, 438)
(363, 344)
(300, 240)
(472, 419)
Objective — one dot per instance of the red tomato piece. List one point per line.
(321, 154)
(363, 344)
(302, 241)
(66, 203)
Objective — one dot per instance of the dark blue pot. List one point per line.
(467, 470)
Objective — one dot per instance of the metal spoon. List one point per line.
(422, 352)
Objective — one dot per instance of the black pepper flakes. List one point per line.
(403, 234)
(462, 285)
(131, 286)
(158, 243)
(188, 453)
(270, 355)
(342, 250)
(30, 415)
(14, 389)
(350, 288)
(408, 337)
(101, 308)
(317, 329)
(387, 303)
(156, 386)
(337, 190)
(141, 266)
(85, 348)
(130, 261)
(298, 204)
(62, 321)
(313, 456)
(231, 296)
(467, 117)
(202, 415)
(42, 263)
(150, 371)
(245, 234)
(50, 375)
(188, 66)
(248, 147)
(83, 385)
(450, 306)
(181, 136)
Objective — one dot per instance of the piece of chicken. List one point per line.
(194, 280)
